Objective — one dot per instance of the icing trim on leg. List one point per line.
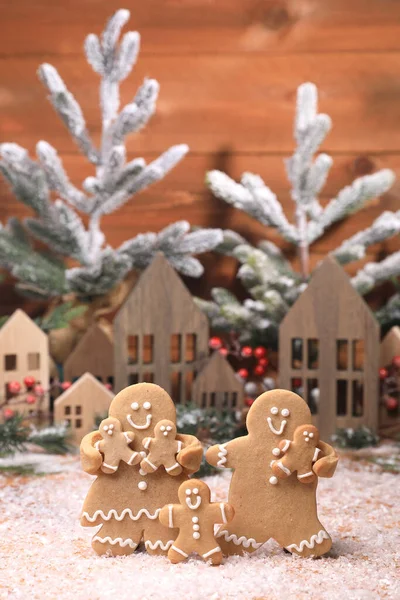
(315, 539)
(158, 544)
(146, 460)
(213, 551)
(109, 466)
(113, 514)
(170, 515)
(179, 551)
(222, 455)
(132, 458)
(113, 542)
(173, 467)
(305, 475)
(283, 468)
(241, 541)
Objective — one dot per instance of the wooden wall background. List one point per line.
(228, 71)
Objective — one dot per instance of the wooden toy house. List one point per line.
(216, 386)
(390, 347)
(80, 405)
(94, 354)
(24, 350)
(160, 335)
(389, 418)
(329, 350)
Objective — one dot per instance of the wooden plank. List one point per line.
(206, 25)
(221, 103)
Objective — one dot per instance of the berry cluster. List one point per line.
(390, 385)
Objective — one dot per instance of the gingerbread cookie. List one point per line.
(115, 446)
(126, 506)
(163, 448)
(265, 506)
(299, 455)
(195, 518)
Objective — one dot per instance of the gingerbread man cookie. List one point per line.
(163, 448)
(298, 455)
(265, 506)
(195, 518)
(125, 507)
(115, 445)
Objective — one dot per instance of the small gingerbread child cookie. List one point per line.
(298, 455)
(195, 518)
(163, 448)
(115, 445)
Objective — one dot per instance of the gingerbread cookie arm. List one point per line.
(91, 459)
(224, 455)
(170, 515)
(191, 454)
(326, 465)
(222, 512)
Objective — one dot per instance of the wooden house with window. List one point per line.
(80, 405)
(24, 350)
(329, 352)
(160, 335)
(216, 386)
(94, 354)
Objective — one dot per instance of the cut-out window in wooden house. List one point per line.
(33, 361)
(204, 400)
(133, 347)
(226, 400)
(148, 348)
(176, 340)
(342, 355)
(148, 377)
(213, 399)
(99, 378)
(190, 347)
(78, 410)
(78, 423)
(67, 410)
(358, 355)
(10, 362)
(341, 397)
(358, 398)
(133, 378)
(110, 380)
(296, 384)
(297, 353)
(176, 380)
(189, 377)
(312, 353)
(234, 399)
(313, 395)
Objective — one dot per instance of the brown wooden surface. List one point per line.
(228, 71)
(330, 310)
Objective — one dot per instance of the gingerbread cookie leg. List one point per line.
(173, 468)
(157, 538)
(117, 538)
(301, 542)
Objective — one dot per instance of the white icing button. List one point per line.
(307, 439)
(142, 485)
(188, 492)
(196, 527)
(165, 432)
(195, 519)
(274, 410)
(311, 435)
(285, 412)
(142, 473)
(169, 428)
(135, 406)
(276, 452)
(273, 480)
(196, 535)
(110, 432)
(105, 427)
(147, 405)
(195, 491)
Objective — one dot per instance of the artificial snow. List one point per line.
(46, 554)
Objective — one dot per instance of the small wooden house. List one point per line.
(160, 335)
(80, 404)
(24, 350)
(216, 386)
(94, 354)
(329, 350)
(390, 347)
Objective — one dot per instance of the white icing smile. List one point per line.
(145, 426)
(274, 411)
(197, 503)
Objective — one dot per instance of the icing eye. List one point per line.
(195, 491)
(165, 432)
(135, 406)
(307, 439)
(162, 428)
(110, 432)
(105, 427)
(188, 492)
(169, 428)
(285, 412)
(274, 410)
(311, 435)
(305, 433)
(111, 426)
(147, 405)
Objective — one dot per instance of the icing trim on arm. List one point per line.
(222, 454)
(146, 460)
(128, 439)
(223, 515)
(113, 468)
(283, 468)
(315, 457)
(213, 551)
(305, 475)
(168, 469)
(97, 445)
(180, 444)
(146, 443)
(132, 458)
(170, 515)
(285, 445)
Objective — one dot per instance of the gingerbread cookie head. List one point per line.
(306, 436)
(108, 427)
(276, 414)
(140, 407)
(165, 429)
(194, 494)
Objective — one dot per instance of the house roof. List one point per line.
(19, 319)
(85, 380)
(218, 373)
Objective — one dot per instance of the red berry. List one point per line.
(215, 343)
(65, 385)
(8, 413)
(14, 387)
(297, 383)
(391, 403)
(396, 361)
(108, 386)
(259, 370)
(29, 381)
(246, 351)
(383, 373)
(263, 362)
(243, 373)
(223, 351)
(260, 352)
(31, 399)
(38, 389)
(249, 401)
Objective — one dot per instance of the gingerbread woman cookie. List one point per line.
(298, 455)
(195, 518)
(115, 445)
(265, 506)
(125, 506)
(163, 448)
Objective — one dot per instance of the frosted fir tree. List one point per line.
(272, 283)
(44, 186)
